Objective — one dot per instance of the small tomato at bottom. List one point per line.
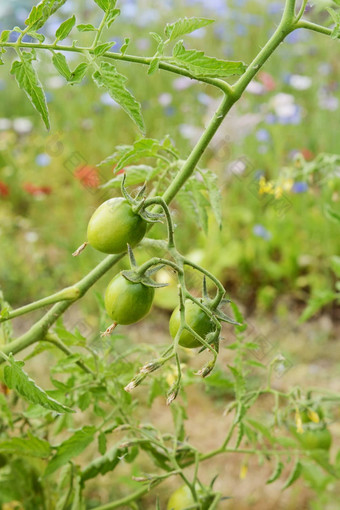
(316, 439)
(127, 302)
(182, 498)
(196, 318)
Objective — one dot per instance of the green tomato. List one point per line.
(196, 318)
(114, 225)
(315, 439)
(127, 302)
(180, 499)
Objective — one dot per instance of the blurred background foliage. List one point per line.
(271, 247)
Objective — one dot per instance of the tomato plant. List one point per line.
(91, 378)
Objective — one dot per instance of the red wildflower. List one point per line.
(307, 154)
(267, 81)
(4, 189)
(88, 176)
(34, 190)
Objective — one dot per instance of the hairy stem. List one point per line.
(216, 82)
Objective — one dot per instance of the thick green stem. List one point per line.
(39, 329)
(285, 27)
(195, 155)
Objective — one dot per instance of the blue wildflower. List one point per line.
(300, 187)
(262, 135)
(43, 159)
(261, 231)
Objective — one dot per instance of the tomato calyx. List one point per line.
(138, 204)
(134, 275)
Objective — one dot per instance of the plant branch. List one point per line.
(39, 329)
(67, 294)
(314, 27)
(215, 82)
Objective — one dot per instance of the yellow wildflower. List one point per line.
(313, 416)
(243, 471)
(298, 422)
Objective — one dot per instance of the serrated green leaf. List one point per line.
(134, 175)
(240, 383)
(260, 428)
(87, 27)
(36, 35)
(108, 77)
(61, 65)
(142, 148)
(70, 448)
(102, 48)
(239, 317)
(199, 64)
(102, 443)
(154, 65)
(185, 26)
(318, 300)
(79, 72)
(276, 473)
(125, 45)
(240, 435)
(104, 4)
(65, 28)
(32, 447)
(28, 81)
(84, 400)
(4, 36)
(104, 464)
(17, 379)
(41, 12)
(112, 15)
(294, 475)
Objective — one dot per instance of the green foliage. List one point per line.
(108, 77)
(92, 375)
(28, 80)
(16, 378)
(200, 65)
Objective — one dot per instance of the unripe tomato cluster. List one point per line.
(112, 227)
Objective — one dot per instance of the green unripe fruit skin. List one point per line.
(180, 499)
(114, 225)
(196, 318)
(127, 302)
(316, 439)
